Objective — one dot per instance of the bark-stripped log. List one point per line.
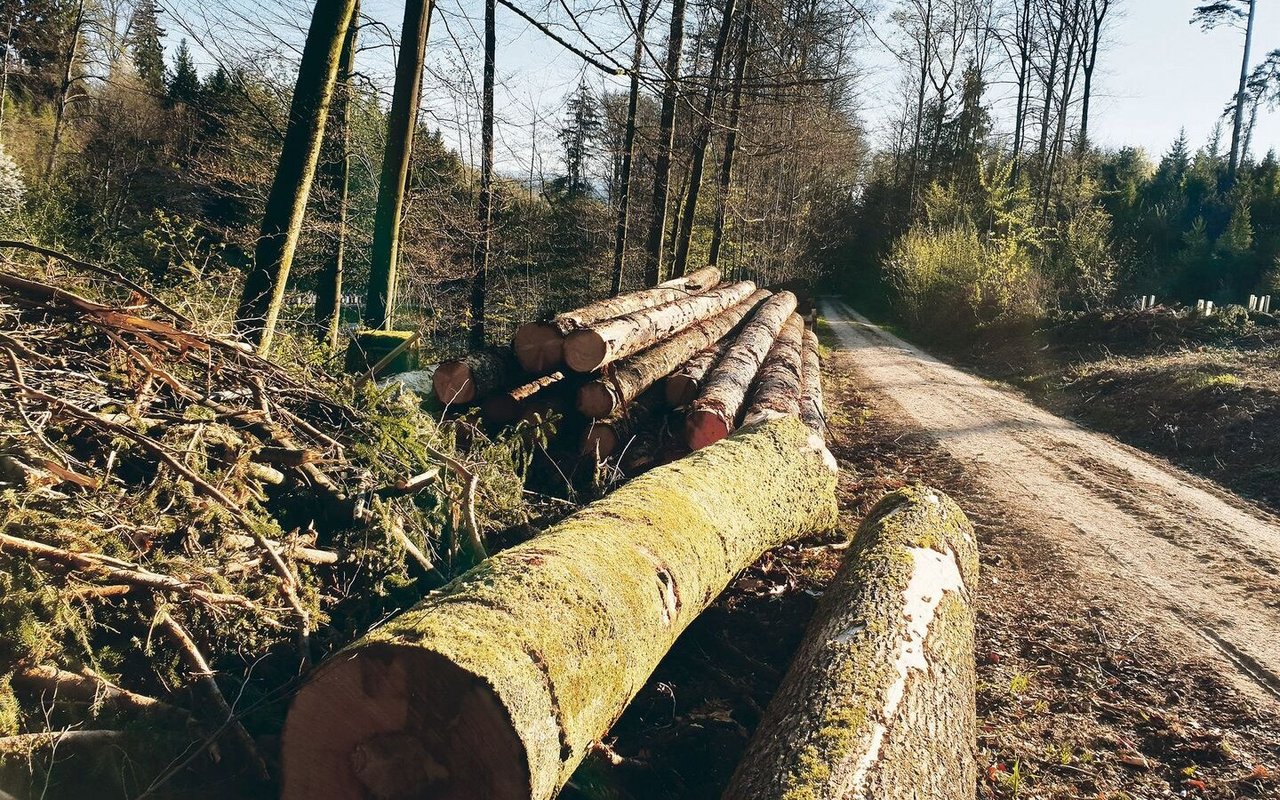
(879, 701)
(628, 378)
(812, 407)
(590, 348)
(713, 415)
(503, 408)
(780, 380)
(497, 686)
(605, 437)
(474, 377)
(683, 385)
(540, 345)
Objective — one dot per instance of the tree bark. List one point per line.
(475, 377)
(713, 415)
(540, 345)
(628, 153)
(608, 436)
(337, 174)
(684, 385)
(812, 406)
(402, 123)
(287, 202)
(628, 378)
(64, 90)
(484, 213)
(879, 701)
(1237, 121)
(590, 348)
(780, 382)
(498, 685)
(731, 139)
(503, 408)
(656, 246)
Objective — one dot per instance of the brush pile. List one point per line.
(185, 527)
(644, 377)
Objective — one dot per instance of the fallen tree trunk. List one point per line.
(590, 348)
(474, 377)
(628, 378)
(605, 437)
(779, 383)
(713, 415)
(497, 686)
(879, 701)
(812, 407)
(540, 345)
(503, 408)
(683, 385)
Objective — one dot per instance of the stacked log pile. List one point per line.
(663, 371)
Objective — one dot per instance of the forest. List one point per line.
(507, 400)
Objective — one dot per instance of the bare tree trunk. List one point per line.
(287, 203)
(656, 246)
(402, 122)
(685, 237)
(485, 211)
(731, 139)
(1024, 89)
(628, 153)
(1237, 122)
(64, 91)
(337, 173)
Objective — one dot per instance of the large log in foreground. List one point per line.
(780, 381)
(590, 348)
(713, 415)
(497, 686)
(631, 376)
(879, 701)
(540, 345)
(474, 377)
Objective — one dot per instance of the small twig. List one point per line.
(471, 524)
(92, 688)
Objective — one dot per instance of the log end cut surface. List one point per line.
(400, 723)
(596, 401)
(681, 390)
(585, 350)
(704, 428)
(539, 347)
(453, 383)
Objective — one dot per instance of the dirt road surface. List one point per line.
(1196, 565)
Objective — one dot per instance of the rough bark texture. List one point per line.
(540, 345)
(655, 248)
(812, 407)
(590, 348)
(780, 381)
(879, 701)
(631, 376)
(713, 415)
(497, 686)
(683, 385)
(480, 374)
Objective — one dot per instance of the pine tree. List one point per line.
(184, 84)
(145, 43)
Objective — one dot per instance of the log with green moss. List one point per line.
(540, 345)
(879, 701)
(497, 686)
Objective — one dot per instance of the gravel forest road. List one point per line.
(1197, 566)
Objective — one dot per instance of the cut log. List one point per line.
(540, 345)
(780, 381)
(812, 407)
(478, 375)
(879, 701)
(683, 385)
(713, 415)
(497, 686)
(605, 437)
(628, 378)
(503, 408)
(590, 348)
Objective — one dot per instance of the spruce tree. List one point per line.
(184, 84)
(145, 44)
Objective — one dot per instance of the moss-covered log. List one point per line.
(780, 382)
(879, 701)
(475, 377)
(713, 415)
(590, 348)
(628, 378)
(683, 385)
(812, 406)
(540, 345)
(497, 686)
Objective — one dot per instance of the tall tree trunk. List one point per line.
(1237, 122)
(287, 202)
(731, 139)
(485, 211)
(1024, 89)
(64, 91)
(685, 237)
(4, 78)
(402, 123)
(656, 246)
(628, 153)
(1097, 16)
(337, 174)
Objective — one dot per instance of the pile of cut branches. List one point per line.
(185, 527)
